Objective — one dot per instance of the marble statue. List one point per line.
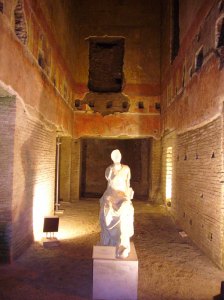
(116, 209)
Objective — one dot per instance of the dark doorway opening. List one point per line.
(96, 158)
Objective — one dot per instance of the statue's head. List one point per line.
(116, 156)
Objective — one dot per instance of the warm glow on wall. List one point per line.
(42, 206)
(168, 174)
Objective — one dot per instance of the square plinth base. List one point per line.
(115, 278)
(50, 242)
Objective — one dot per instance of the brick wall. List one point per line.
(7, 128)
(33, 178)
(155, 171)
(75, 170)
(198, 194)
(168, 141)
(196, 185)
(65, 168)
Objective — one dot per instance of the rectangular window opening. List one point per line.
(175, 30)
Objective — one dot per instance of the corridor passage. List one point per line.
(170, 267)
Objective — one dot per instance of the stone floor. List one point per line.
(170, 267)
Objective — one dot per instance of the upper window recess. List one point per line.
(199, 60)
(175, 30)
(106, 64)
(1, 6)
(20, 22)
(220, 33)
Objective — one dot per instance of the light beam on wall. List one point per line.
(169, 170)
(41, 208)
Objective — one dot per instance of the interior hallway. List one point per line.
(170, 267)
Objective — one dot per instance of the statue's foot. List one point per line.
(122, 252)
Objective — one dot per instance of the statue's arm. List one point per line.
(129, 190)
(128, 177)
(108, 173)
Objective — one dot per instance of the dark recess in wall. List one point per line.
(106, 56)
(96, 158)
(1, 6)
(175, 39)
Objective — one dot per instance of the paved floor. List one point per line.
(170, 267)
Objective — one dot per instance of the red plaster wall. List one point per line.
(188, 11)
(132, 125)
(187, 101)
(20, 71)
(58, 19)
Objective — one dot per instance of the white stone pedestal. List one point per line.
(114, 278)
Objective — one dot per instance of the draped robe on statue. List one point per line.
(116, 210)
